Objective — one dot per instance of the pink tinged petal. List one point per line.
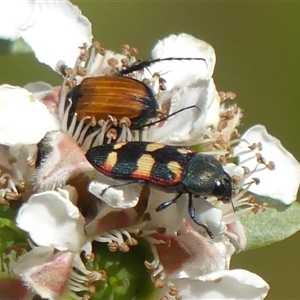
(45, 93)
(64, 162)
(50, 218)
(189, 254)
(236, 234)
(53, 24)
(44, 272)
(229, 285)
(23, 119)
(109, 219)
(281, 183)
(183, 73)
(189, 125)
(125, 196)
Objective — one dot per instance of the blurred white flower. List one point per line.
(45, 26)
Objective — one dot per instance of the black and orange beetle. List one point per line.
(118, 96)
(171, 168)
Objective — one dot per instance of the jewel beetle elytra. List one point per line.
(170, 168)
(119, 96)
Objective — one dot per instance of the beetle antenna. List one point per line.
(233, 208)
(165, 118)
(148, 63)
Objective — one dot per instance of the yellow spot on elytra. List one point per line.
(184, 151)
(111, 160)
(154, 146)
(176, 169)
(119, 145)
(145, 164)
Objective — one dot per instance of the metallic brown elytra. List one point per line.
(117, 96)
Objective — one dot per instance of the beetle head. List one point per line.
(205, 176)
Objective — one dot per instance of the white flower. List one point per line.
(188, 83)
(49, 217)
(45, 26)
(54, 222)
(23, 119)
(183, 73)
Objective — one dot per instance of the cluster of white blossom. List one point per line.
(64, 209)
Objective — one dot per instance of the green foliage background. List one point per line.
(257, 45)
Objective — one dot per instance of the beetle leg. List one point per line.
(192, 214)
(167, 203)
(120, 184)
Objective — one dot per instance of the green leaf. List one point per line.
(10, 235)
(278, 222)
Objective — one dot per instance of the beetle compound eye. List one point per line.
(219, 189)
(223, 188)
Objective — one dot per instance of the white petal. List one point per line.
(55, 31)
(39, 88)
(49, 218)
(124, 196)
(281, 183)
(171, 217)
(188, 253)
(229, 285)
(65, 161)
(185, 72)
(189, 125)
(23, 119)
(13, 15)
(209, 216)
(233, 284)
